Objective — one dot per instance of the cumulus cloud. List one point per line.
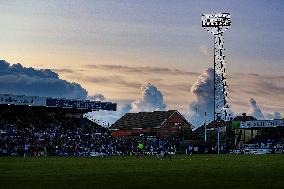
(106, 118)
(16, 79)
(151, 99)
(203, 91)
(255, 110)
(203, 106)
(277, 115)
(261, 86)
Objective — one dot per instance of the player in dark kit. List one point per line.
(167, 153)
(163, 153)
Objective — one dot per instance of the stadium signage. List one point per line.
(56, 103)
(258, 124)
(80, 104)
(22, 100)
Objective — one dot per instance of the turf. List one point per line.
(196, 171)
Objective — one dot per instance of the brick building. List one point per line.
(157, 123)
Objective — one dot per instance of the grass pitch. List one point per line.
(196, 171)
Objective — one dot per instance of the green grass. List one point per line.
(197, 171)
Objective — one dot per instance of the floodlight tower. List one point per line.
(216, 24)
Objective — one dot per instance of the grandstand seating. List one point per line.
(37, 132)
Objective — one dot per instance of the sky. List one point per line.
(113, 48)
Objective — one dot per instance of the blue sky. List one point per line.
(149, 28)
(63, 35)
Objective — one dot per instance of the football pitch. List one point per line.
(196, 171)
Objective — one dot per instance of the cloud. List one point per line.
(255, 110)
(151, 99)
(268, 90)
(18, 69)
(64, 70)
(113, 80)
(97, 97)
(16, 79)
(141, 69)
(203, 91)
(255, 84)
(202, 108)
(275, 115)
(106, 118)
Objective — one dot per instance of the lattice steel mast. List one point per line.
(217, 24)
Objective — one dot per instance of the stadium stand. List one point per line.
(28, 128)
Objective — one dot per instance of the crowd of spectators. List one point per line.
(266, 142)
(61, 136)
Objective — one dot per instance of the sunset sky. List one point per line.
(114, 47)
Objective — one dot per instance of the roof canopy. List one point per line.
(143, 119)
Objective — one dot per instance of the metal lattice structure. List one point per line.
(216, 24)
